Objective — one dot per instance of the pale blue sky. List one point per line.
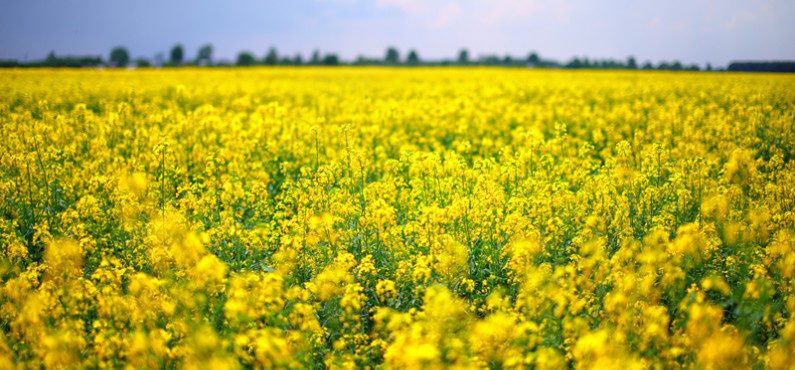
(695, 31)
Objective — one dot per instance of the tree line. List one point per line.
(786, 66)
(119, 57)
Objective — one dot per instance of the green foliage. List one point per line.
(119, 57)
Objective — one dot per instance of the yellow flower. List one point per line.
(385, 289)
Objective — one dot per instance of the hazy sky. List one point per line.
(694, 31)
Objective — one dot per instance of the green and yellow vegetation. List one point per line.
(396, 218)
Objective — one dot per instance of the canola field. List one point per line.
(396, 218)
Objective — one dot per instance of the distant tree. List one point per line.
(331, 60)
(647, 65)
(271, 58)
(709, 67)
(315, 60)
(119, 57)
(298, 59)
(245, 58)
(632, 63)
(365, 61)
(177, 55)
(142, 62)
(677, 66)
(413, 58)
(489, 60)
(533, 60)
(574, 63)
(750, 66)
(392, 56)
(606, 64)
(463, 56)
(205, 55)
(10, 63)
(52, 59)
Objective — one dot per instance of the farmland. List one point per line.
(397, 217)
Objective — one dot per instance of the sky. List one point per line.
(694, 31)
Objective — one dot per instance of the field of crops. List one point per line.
(365, 217)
